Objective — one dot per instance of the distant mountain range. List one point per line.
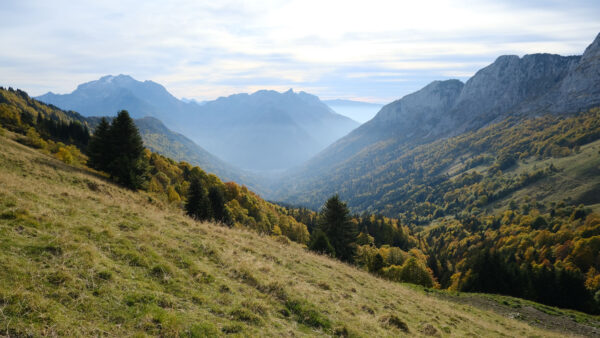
(263, 131)
(110, 94)
(356, 110)
(526, 87)
(266, 130)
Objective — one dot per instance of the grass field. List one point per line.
(80, 256)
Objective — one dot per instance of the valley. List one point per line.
(300, 169)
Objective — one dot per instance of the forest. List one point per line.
(465, 173)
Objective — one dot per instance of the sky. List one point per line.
(373, 51)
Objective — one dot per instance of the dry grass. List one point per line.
(80, 257)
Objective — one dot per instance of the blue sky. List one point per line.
(372, 50)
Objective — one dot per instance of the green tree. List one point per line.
(99, 151)
(197, 205)
(414, 272)
(340, 230)
(320, 243)
(377, 263)
(128, 165)
(217, 204)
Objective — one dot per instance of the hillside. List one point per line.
(263, 131)
(400, 181)
(20, 111)
(81, 256)
(380, 150)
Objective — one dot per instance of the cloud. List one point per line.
(380, 50)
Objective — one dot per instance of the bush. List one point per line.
(320, 243)
(412, 271)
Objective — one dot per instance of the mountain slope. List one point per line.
(17, 106)
(526, 87)
(145, 269)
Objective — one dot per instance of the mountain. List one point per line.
(356, 110)
(526, 87)
(82, 257)
(110, 94)
(158, 138)
(266, 130)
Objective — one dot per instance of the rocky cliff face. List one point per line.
(533, 84)
(508, 86)
(530, 85)
(579, 90)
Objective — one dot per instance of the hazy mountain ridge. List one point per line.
(511, 86)
(266, 130)
(110, 94)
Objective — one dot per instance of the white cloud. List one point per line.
(206, 49)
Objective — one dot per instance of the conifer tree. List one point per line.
(197, 205)
(128, 164)
(217, 203)
(99, 146)
(341, 232)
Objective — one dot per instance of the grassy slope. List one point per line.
(80, 256)
(577, 179)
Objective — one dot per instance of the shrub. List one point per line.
(320, 243)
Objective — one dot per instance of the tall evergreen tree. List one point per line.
(217, 204)
(128, 164)
(197, 205)
(99, 148)
(341, 232)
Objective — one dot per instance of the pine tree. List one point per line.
(99, 151)
(197, 205)
(217, 204)
(128, 164)
(341, 232)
